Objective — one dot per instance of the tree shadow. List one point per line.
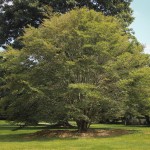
(14, 128)
(24, 138)
(24, 135)
(9, 134)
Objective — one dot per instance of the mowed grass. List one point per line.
(16, 140)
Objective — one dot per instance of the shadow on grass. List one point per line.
(23, 135)
(23, 138)
(26, 137)
(13, 128)
(9, 134)
(39, 127)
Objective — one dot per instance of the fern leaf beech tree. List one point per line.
(15, 15)
(71, 64)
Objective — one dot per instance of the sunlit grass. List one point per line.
(15, 140)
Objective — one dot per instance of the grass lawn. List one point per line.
(15, 140)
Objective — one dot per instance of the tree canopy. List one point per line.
(79, 65)
(15, 15)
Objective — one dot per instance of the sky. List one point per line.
(141, 24)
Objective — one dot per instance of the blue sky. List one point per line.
(141, 24)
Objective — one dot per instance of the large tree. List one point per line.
(15, 15)
(74, 65)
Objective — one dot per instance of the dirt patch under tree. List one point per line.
(75, 134)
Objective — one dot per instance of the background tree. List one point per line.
(133, 68)
(119, 8)
(15, 15)
(139, 91)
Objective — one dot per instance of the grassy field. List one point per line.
(15, 140)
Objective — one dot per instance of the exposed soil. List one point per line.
(75, 134)
(146, 132)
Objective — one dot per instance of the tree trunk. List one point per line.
(147, 120)
(82, 125)
(127, 120)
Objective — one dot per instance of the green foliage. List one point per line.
(79, 65)
(15, 15)
(119, 8)
(139, 90)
